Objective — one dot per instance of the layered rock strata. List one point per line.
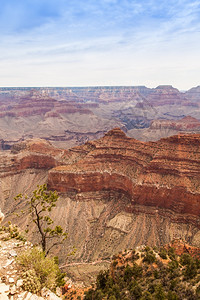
(115, 193)
(71, 116)
(185, 124)
(23, 168)
(36, 154)
(163, 174)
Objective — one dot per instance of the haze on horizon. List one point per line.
(95, 43)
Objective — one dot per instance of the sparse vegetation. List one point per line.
(39, 271)
(31, 282)
(149, 275)
(39, 207)
(12, 232)
(163, 253)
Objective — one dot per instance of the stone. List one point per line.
(22, 295)
(12, 253)
(1, 216)
(34, 297)
(4, 288)
(9, 262)
(19, 283)
(46, 293)
(58, 292)
(3, 296)
(13, 289)
(28, 296)
(11, 280)
(52, 296)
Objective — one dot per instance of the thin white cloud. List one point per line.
(107, 42)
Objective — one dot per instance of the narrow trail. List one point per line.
(86, 263)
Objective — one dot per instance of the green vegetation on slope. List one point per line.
(39, 271)
(149, 274)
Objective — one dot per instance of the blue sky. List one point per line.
(105, 42)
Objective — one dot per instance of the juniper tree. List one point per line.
(39, 207)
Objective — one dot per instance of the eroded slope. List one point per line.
(115, 193)
(164, 174)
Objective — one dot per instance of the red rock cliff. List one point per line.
(185, 124)
(32, 154)
(163, 174)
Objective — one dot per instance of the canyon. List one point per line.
(115, 193)
(71, 116)
(164, 174)
(136, 184)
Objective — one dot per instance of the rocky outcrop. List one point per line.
(66, 122)
(115, 193)
(71, 116)
(163, 174)
(185, 124)
(32, 154)
(168, 95)
(181, 247)
(1, 216)
(11, 285)
(27, 107)
(194, 94)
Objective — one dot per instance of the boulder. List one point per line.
(46, 293)
(1, 216)
(4, 288)
(3, 296)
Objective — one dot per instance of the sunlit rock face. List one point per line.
(185, 124)
(24, 167)
(115, 193)
(1, 216)
(72, 116)
(163, 174)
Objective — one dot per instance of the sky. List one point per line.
(102, 42)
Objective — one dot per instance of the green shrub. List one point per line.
(31, 282)
(156, 274)
(197, 262)
(114, 263)
(112, 298)
(149, 257)
(198, 291)
(178, 279)
(116, 291)
(159, 293)
(173, 283)
(185, 259)
(136, 292)
(172, 296)
(163, 253)
(102, 278)
(171, 253)
(13, 232)
(173, 265)
(91, 295)
(146, 296)
(151, 288)
(45, 268)
(190, 271)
